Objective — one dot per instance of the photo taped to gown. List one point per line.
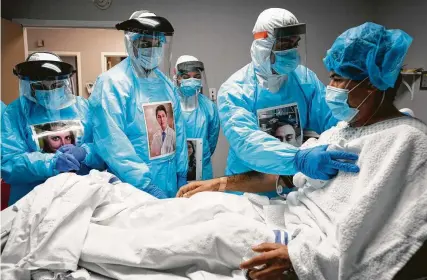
(51, 136)
(282, 122)
(195, 156)
(160, 127)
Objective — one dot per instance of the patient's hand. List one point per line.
(274, 261)
(199, 186)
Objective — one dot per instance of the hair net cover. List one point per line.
(369, 50)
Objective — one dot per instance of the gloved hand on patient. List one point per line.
(319, 163)
(315, 165)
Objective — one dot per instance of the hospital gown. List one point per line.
(363, 226)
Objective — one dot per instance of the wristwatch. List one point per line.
(284, 185)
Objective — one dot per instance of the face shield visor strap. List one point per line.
(149, 52)
(290, 50)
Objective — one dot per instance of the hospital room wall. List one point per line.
(410, 17)
(90, 43)
(217, 32)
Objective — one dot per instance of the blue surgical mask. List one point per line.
(190, 87)
(286, 61)
(337, 100)
(55, 99)
(149, 58)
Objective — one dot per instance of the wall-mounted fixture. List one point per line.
(415, 73)
(102, 4)
(423, 82)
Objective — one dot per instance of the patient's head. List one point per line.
(372, 105)
(364, 64)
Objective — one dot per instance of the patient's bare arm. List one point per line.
(251, 182)
(247, 182)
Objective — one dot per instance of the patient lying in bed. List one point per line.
(359, 226)
(364, 224)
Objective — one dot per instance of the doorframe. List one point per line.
(79, 65)
(112, 54)
(24, 33)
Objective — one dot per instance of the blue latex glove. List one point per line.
(317, 163)
(182, 181)
(155, 191)
(67, 163)
(78, 152)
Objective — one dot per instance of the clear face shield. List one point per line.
(149, 52)
(190, 81)
(289, 51)
(48, 84)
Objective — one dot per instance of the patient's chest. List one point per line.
(324, 207)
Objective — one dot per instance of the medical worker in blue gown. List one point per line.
(124, 103)
(274, 88)
(200, 113)
(47, 103)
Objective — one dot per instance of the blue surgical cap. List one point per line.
(369, 50)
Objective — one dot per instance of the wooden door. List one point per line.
(12, 53)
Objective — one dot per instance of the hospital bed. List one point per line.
(415, 269)
(7, 216)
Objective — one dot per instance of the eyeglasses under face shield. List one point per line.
(289, 50)
(144, 41)
(49, 85)
(289, 37)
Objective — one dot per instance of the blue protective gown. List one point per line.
(23, 166)
(240, 97)
(120, 133)
(203, 123)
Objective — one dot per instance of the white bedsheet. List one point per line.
(121, 232)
